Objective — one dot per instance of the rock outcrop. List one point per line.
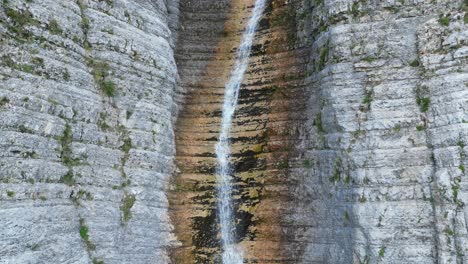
(349, 142)
(87, 142)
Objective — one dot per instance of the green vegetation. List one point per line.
(414, 63)
(423, 103)
(96, 261)
(461, 144)
(420, 127)
(10, 193)
(20, 19)
(362, 199)
(35, 247)
(29, 68)
(382, 252)
(346, 216)
(355, 9)
(127, 203)
(324, 52)
(462, 168)
(444, 20)
(101, 73)
(369, 59)
(65, 142)
(38, 61)
(318, 122)
(368, 98)
(68, 178)
(54, 27)
(455, 189)
(127, 145)
(129, 114)
(4, 100)
(66, 75)
(449, 232)
(84, 235)
(307, 164)
(336, 176)
(109, 2)
(397, 128)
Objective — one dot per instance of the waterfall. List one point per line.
(231, 253)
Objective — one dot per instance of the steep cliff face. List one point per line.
(349, 141)
(375, 169)
(383, 179)
(87, 97)
(261, 136)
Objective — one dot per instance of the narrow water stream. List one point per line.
(232, 254)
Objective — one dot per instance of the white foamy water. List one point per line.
(232, 254)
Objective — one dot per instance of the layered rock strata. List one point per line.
(260, 135)
(87, 98)
(349, 142)
(383, 178)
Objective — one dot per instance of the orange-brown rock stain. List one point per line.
(262, 135)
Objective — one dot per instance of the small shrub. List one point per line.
(66, 75)
(369, 59)
(414, 63)
(336, 177)
(10, 193)
(318, 122)
(449, 232)
(38, 61)
(462, 168)
(423, 103)
(127, 203)
(96, 261)
(323, 57)
(444, 20)
(4, 100)
(85, 23)
(127, 145)
(84, 235)
(420, 127)
(461, 144)
(108, 88)
(368, 98)
(346, 216)
(66, 141)
(35, 247)
(20, 19)
(101, 73)
(129, 114)
(68, 178)
(381, 252)
(84, 232)
(54, 27)
(307, 163)
(362, 199)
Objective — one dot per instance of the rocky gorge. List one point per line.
(349, 141)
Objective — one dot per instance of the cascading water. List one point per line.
(231, 253)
